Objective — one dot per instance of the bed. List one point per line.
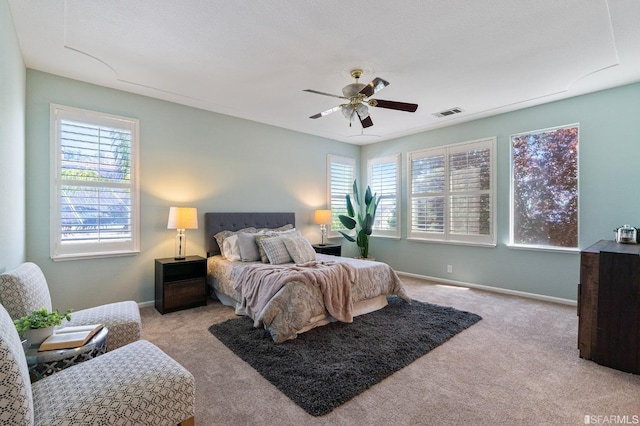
(309, 296)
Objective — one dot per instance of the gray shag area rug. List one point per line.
(327, 366)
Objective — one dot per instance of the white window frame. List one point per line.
(338, 193)
(446, 236)
(549, 248)
(70, 250)
(371, 164)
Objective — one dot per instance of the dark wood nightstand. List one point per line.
(180, 284)
(332, 249)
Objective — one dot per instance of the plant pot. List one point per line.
(35, 336)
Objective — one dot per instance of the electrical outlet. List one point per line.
(450, 269)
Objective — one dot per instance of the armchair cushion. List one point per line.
(137, 384)
(121, 318)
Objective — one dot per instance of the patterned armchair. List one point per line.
(137, 384)
(24, 290)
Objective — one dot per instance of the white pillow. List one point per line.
(300, 249)
(230, 248)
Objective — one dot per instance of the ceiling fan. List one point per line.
(357, 94)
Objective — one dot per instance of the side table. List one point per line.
(332, 249)
(45, 363)
(180, 284)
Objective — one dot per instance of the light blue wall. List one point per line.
(12, 145)
(609, 195)
(220, 163)
(188, 157)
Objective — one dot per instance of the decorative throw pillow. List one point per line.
(286, 227)
(271, 234)
(259, 242)
(300, 249)
(248, 248)
(276, 250)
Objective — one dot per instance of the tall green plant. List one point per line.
(360, 218)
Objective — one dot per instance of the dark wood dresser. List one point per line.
(609, 305)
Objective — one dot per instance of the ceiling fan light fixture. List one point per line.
(351, 90)
(362, 111)
(348, 111)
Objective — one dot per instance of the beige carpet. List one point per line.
(519, 365)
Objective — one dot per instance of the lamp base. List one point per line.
(323, 231)
(181, 245)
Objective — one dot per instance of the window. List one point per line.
(94, 193)
(452, 193)
(340, 175)
(384, 180)
(544, 188)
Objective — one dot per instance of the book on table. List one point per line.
(70, 337)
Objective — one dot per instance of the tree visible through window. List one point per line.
(545, 188)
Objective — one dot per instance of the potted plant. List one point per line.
(360, 218)
(38, 325)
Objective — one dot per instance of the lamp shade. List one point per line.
(183, 218)
(322, 217)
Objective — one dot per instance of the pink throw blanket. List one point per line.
(257, 284)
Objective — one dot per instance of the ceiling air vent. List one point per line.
(448, 112)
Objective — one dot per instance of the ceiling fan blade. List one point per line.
(374, 86)
(323, 93)
(401, 106)
(366, 122)
(327, 112)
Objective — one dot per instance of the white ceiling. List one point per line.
(252, 59)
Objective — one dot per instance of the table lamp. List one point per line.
(182, 218)
(322, 218)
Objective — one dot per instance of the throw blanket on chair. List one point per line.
(257, 284)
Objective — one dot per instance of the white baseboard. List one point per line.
(493, 289)
(146, 304)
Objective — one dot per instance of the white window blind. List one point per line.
(384, 180)
(341, 174)
(95, 193)
(452, 193)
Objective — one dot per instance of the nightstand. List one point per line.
(180, 284)
(332, 249)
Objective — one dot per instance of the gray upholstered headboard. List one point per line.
(216, 222)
